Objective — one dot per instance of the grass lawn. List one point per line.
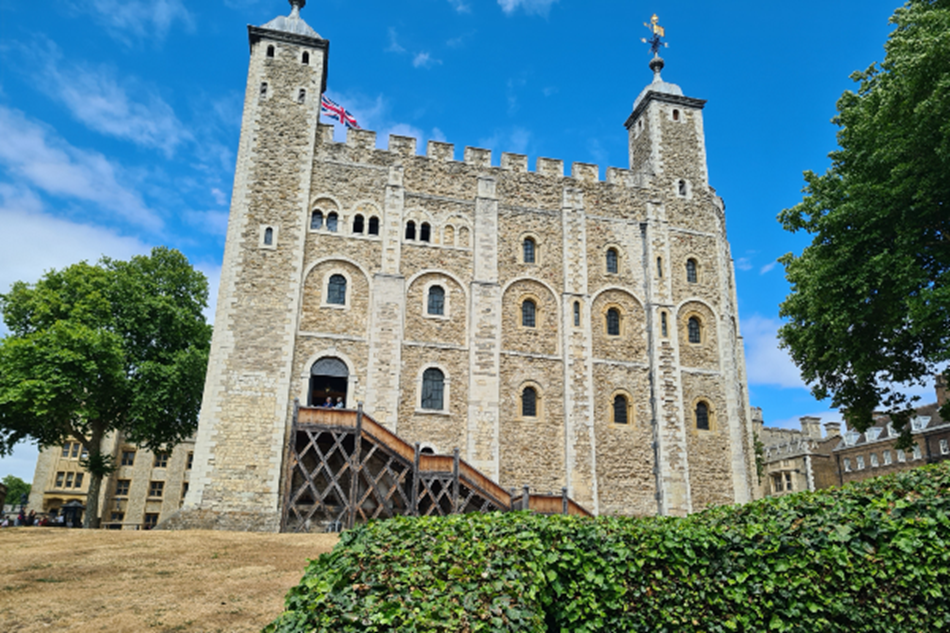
(103, 580)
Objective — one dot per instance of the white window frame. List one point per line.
(860, 462)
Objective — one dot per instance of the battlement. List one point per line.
(407, 147)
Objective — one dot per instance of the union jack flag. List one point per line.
(335, 111)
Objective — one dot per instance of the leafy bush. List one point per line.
(873, 556)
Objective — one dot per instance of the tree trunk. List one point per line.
(97, 470)
(90, 519)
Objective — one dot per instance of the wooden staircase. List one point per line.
(345, 468)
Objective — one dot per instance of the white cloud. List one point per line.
(33, 153)
(460, 6)
(394, 45)
(768, 267)
(516, 140)
(425, 60)
(766, 363)
(536, 7)
(220, 197)
(214, 222)
(744, 263)
(131, 20)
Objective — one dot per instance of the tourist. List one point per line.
(328, 404)
(339, 403)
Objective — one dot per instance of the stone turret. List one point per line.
(811, 427)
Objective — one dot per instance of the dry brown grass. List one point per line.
(100, 580)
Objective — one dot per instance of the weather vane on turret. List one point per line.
(297, 6)
(656, 41)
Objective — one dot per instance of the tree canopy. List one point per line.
(16, 488)
(869, 311)
(95, 349)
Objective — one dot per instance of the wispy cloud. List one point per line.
(425, 60)
(516, 140)
(531, 7)
(768, 267)
(744, 263)
(420, 59)
(131, 20)
(766, 362)
(35, 154)
(461, 6)
(394, 45)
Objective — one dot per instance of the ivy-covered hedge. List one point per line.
(873, 556)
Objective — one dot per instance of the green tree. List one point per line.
(92, 350)
(869, 311)
(16, 488)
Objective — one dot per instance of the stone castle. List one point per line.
(561, 331)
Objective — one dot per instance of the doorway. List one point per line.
(329, 378)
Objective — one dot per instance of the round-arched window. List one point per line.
(529, 403)
(613, 322)
(433, 389)
(336, 290)
(529, 313)
(695, 330)
(436, 303)
(620, 410)
(702, 416)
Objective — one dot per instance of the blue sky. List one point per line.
(119, 119)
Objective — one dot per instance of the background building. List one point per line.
(795, 460)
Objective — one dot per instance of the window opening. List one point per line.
(329, 379)
(305, 58)
(270, 51)
(79, 478)
(682, 187)
(529, 250)
(529, 403)
(264, 89)
(664, 328)
(301, 96)
(75, 450)
(122, 487)
(702, 416)
(691, 273)
(336, 290)
(268, 236)
(659, 267)
(676, 115)
(620, 410)
(437, 300)
(358, 224)
(410, 230)
(529, 313)
(433, 389)
(613, 322)
(332, 221)
(427, 451)
(425, 232)
(316, 220)
(612, 261)
(577, 314)
(695, 332)
(374, 226)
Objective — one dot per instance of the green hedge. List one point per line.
(873, 556)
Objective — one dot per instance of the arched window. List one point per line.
(691, 274)
(427, 450)
(358, 224)
(695, 331)
(410, 230)
(529, 250)
(676, 115)
(529, 313)
(664, 328)
(305, 58)
(682, 187)
(433, 389)
(268, 236)
(613, 322)
(264, 89)
(702, 416)
(332, 221)
(270, 51)
(612, 266)
(316, 220)
(659, 267)
(436, 300)
(374, 225)
(425, 232)
(577, 314)
(336, 290)
(301, 96)
(620, 410)
(448, 236)
(529, 403)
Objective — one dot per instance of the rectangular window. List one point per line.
(191, 461)
(128, 458)
(901, 455)
(151, 520)
(777, 482)
(79, 478)
(118, 517)
(59, 479)
(84, 454)
(66, 449)
(788, 482)
(917, 451)
(860, 460)
(847, 465)
(887, 458)
(945, 447)
(122, 487)
(161, 460)
(184, 491)
(874, 462)
(75, 451)
(69, 479)
(156, 488)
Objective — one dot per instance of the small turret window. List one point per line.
(692, 275)
(529, 403)
(529, 250)
(358, 224)
(374, 226)
(270, 51)
(659, 267)
(702, 416)
(695, 330)
(621, 415)
(612, 265)
(664, 327)
(577, 314)
(301, 96)
(264, 89)
(613, 322)
(268, 236)
(305, 58)
(682, 187)
(529, 313)
(676, 115)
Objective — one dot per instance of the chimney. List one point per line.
(811, 427)
(940, 384)
(757, 422)
(833, 429)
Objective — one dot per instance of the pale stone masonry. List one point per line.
(432, 256)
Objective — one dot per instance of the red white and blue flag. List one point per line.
(335, 111)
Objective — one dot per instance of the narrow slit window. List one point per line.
(695, 330)
(620, 410)
(425, 232)
(433, 389)
(613, 322)
(436, 301)
(336, 290)
(682, 187)
(358, 224)
(612, 265)
(702, 416)
(529, 313)
(316, 220)
(676, 115)
(659, 267)
(264, 89)
(577, 314)
(410, 230)
(268, 236)
(305, 58)
(664, 327)
(302, 96)
(374, 226)
(529, 403)
(692, 275)
(530, 249)
(333, 221)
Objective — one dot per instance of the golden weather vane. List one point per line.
(658, 32)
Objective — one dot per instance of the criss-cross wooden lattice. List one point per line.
(344, 468)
